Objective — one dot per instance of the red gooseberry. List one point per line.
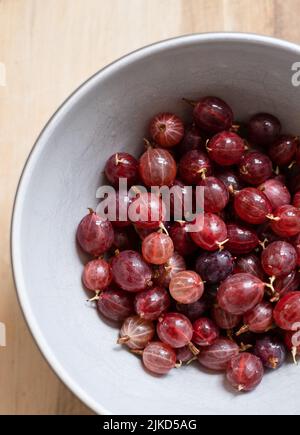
(240, 293)
(97, 275)
(213, 233)
(136, 332)
(159, 358)
(255, 168)
(212, 115)
(150, 304)
(115, 304)
(95, 234)
(279, 258)
(130, 271)
(121, 165)
(245, 371)
(276, 192)
(193, 165)
(252, 205)
(226, 148)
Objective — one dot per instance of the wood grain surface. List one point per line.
(47, 48)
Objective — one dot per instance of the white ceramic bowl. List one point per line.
(110, 113)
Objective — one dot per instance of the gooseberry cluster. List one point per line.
(226, 295)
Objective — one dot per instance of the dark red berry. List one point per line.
(130, 271)
(249, 264)
(121, 165)
(255, 168)
(287, 312)
(192, 140)
(296, 200)
(245, 372)
(283, 150)
(212, 233)
(205, 332)
(213, 115)
(97, 274)
(270, 351)
(241, 239)
(286, 221)
(157, 167)
(276, 192)
(95, 234)
(217, 356)
(279, 258)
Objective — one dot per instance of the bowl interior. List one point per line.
(108, 114)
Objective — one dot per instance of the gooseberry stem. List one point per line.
(263, 243)
(147, 143)
(235, 128)
(221, 244)
(245, 347)
(191, 360)
(231, 189)
(272, 217)
(117, 160)
(162, 226)
(137, 351)
(242, 330)
(123, 340)
(96, 297)
(270, 285)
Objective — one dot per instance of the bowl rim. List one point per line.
(49, 127)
